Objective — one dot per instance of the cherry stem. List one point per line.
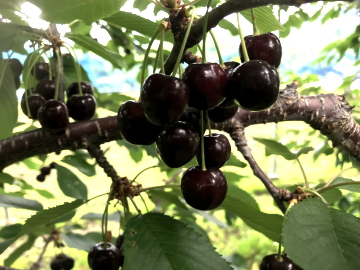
(217, 48)
(243, 46)
(279, 258)
(336, 176)
(104, 219)
(205, 31)
(77, 69)
(57, 78)
(208, 122)
(156, 60)
(142, 198)
(159, 5)
(126, 208)
(302, 171)
(323, 189)
(199, 47)
(157, 187)
(180, 71)
(190, 3)
(316, 194)
(133, 202)
(181, 52)
(253, 18)
(144, 66)
(162, 51)
(142, 172)
(203, 168)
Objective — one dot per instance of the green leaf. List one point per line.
(275, 148)
(225, 24)
(165, 243)
(318, 237)
(16, 254)
(169, 197)
(267, 224)
(92, 45)
(68, 216)
(6, 178)
(41, 218)
(31, 164)
(79, 162)
(265, 19)
(135, 23)
(234, 161)
(10, 231)
(88, 11)
(18, 202)
(112, 101)
(70, 184)
(8, 101)
(98, 216)
(70, 72)
(353, 188)
(44, 193)
(78, 241)
(304, 150)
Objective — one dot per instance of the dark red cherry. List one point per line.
(53, 116)
(222, 114)
(62, 262)
(203, 190)
(15, 66)
(81, 107)
(86, 88)
(255, 85)
(265, 47)
(46, 88)
(40, 71)
(207, 83)
(35, 102)
(45, 170)
(164, 98)
(40, 178)
(229, 69)
(270, 262)
(217, 151)
(104, 258)
(192, 118)
(120, 246)
(177, 144)
(134, 127)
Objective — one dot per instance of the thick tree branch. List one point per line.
(215, 16)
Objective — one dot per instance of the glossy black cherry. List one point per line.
(270, 262)
(207, 83)
(53, 116)
(62, 262)
(46, 88)
(15, 66)
(265, 47)
(222, 114)
(164, 98)
(81, 107)
(203, 190)
(176, 145)
(40, 71)
(104, 258)
(229, 69)
(120, 246)
(86, 88)
(255, 85)
(133, 125)
(217, 151)
(35, 101)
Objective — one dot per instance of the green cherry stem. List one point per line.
(78, 72)
(104, 219)
(347, 183)
(203, 168)
(253, 18)
(157, 187)
(302, 171)
(243, 47)
(217, 48)
(181, 52)
(180, 71)
(208, 122)
(133, 202)
(205, 31)
(163, 33)
(57, 78)
(142, 172)
(147, 55)
(337, 175)
(156, 60)
(142, 199)
(316, 194)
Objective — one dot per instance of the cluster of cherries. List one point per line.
(162, 114)
(53, 114)
(45, 171)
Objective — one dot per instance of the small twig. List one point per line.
(37, 265)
